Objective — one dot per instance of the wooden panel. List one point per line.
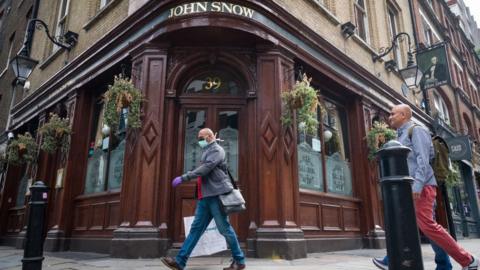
(309, 216)
(98, 216)
(351, 219)
(113, 217)
(15, 220)
(331, 215)
(81, 218)
(188, 209)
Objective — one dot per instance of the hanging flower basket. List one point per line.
(56, 134)
(22, 150)
(303, 100)
(378, 136)
(122, 94)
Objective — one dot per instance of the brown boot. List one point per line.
(171, 263)
(235, 266)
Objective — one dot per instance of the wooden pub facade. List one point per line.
(223, 65)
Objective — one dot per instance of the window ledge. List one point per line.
(50, 58)
(100, 14)
(330, 16)
(364, 44)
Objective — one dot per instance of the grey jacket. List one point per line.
(212, 169)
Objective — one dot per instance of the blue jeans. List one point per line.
(208, 208)
(441, 258)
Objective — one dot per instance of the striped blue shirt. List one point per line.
(419, 158)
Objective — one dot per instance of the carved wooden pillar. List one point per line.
(278, 233)
(62, 194)
(139, 233)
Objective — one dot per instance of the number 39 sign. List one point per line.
(212, 83)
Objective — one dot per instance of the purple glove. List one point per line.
(177, 181)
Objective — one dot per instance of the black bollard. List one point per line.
(403, 241)
(33, 252)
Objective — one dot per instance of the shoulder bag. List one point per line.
(233, 201)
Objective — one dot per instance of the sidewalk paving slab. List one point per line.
(359, 259)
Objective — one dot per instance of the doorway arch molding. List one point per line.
(240, 61)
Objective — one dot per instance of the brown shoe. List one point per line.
(171, 263)
(235, 266)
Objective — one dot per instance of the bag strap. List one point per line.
(410, 131)
(231, 179)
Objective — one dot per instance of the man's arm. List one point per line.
(421, 143)
(213, 158)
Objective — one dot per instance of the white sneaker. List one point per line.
(472, 266)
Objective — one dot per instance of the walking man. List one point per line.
(212, 181)
(424, 185)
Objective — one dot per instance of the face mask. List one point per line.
(203, 143)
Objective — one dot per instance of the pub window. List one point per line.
(60, 29)
(22, 190)
(105, 154)
(220, 82)
(324, 160)
(361, 19)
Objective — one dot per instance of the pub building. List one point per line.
(221, 65)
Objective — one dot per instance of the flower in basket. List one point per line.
(122, 94)
(378, 135)
(55, 134)
(303, 100)
(22, 150)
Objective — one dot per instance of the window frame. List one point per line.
(60, 26)
(393, 25)
(365, 34)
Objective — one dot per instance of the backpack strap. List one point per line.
(410, 131)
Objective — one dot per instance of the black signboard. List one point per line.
(459, 148)
(433, 64)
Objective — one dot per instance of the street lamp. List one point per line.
(411, 75)
(22, 64)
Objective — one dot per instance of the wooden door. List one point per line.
(225, 117)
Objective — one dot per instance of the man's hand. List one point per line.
(416, 195)
(177, 181)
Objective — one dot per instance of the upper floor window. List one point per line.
(393, 28)
(361, 19)
(61, 26)
(103, 3)
(441, 108)
(10, 49)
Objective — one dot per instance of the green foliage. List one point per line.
(22, 150)
(303, 100)
(55, 134)
(453, 177)
(122, 94)
(378, 135)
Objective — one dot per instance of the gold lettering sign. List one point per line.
(212, 83)
(199, 7)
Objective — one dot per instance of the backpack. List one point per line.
(440, 161)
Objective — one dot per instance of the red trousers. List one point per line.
(435, 232)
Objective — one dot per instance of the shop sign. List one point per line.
(459, 148)
(215, 6)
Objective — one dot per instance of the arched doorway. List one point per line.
(211, 95)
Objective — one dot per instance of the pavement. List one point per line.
(359, 259)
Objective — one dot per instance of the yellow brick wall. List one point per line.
(81, 14)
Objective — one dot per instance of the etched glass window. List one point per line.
(324, 159)
(213, 82)
(194, 122)
(228, 133)
(105, 154)
(339, 178)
